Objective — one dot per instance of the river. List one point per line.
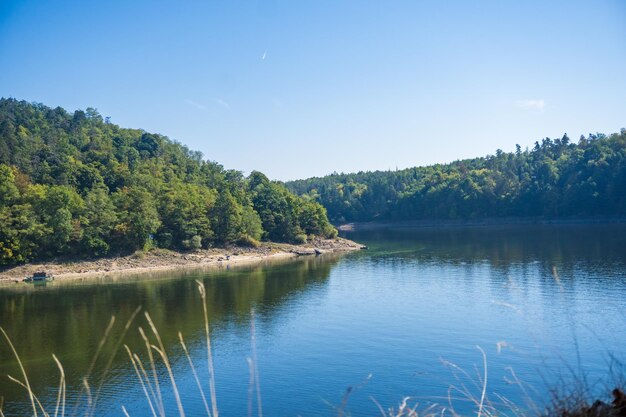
(411, 316)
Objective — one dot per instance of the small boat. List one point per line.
(40, 276)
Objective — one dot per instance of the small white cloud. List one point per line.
(264, 55)
(532, 104)
(222, 103)
(195, 104)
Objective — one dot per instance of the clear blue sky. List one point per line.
(303, 88)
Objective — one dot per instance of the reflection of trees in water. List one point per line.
(501, 246)
(532, 261)
(70, 320)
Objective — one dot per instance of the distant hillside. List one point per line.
(556, 178)
(75, 184)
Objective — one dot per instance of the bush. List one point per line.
(194, 243)
(248, 241)
(300, 238)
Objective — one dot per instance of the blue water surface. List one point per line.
(411, 316)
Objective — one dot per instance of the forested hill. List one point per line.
(556, 178)
(75, 184)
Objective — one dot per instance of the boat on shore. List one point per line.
(40, 276)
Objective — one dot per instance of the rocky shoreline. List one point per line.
(162, 260)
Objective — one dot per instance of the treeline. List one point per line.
(556, 178)
(75, 184)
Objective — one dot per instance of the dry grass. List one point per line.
(472, 389)
(149, 382)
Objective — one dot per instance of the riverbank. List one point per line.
(163, 260)
(460, 223)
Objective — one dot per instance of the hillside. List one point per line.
(556, 178)
(74, 184)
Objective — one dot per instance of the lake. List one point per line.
(407, 317)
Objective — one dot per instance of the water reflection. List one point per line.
(567, 246)
(538, 299)
(69, 319)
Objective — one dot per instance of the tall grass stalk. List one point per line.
(62, 389)
(529, 402)
(161, 351)
(157, 387)
(109, 363)
(346, 396)
(484, 406)
(88, 391)
(254, 364)
(21, 384)
(85, 382)
(145, 375)
(404, 410)
(482, 395)
(195, 374)
(202, 291)
(250, 385)
(141, 381)
(27, 384)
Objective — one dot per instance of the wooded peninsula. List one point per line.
(74, 184)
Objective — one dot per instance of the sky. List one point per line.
(305, 88)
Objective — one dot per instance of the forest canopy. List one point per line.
(76, 184)
(556, 178)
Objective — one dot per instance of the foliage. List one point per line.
(284, 216)
(556, 178)
(76, 184)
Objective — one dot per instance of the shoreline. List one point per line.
(159, 260)
(461, 223)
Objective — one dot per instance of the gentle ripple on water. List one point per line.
(540, 301)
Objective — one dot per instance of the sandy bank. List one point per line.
(163, 260)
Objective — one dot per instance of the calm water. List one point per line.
(543, 302)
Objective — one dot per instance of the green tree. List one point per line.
(227, 218)
(185, 211)
(99, 219)
(138, 219)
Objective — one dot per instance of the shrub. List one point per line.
(248, 241)
(300, 238)
(194, 243)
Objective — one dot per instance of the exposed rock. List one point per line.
(165, 259)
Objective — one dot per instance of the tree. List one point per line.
(184, 212)
(99, 219)
(227, 218)
(138, 219)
